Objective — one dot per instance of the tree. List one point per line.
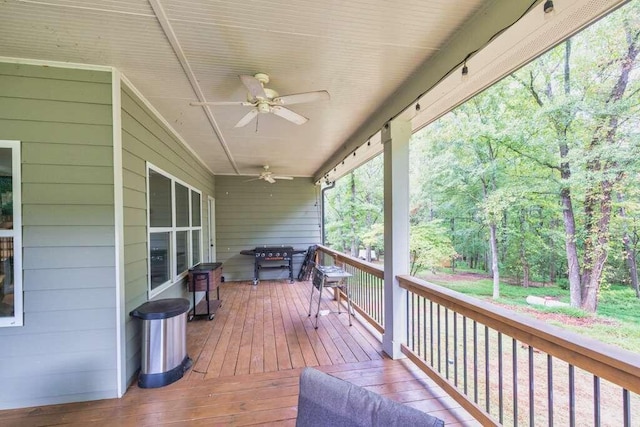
(354, 208)
(586, 109)
(430, 247)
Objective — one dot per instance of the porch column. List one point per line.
(395, 138)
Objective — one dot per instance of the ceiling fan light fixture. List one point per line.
(263, 107)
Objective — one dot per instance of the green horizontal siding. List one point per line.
(66, 350)
(250, 214)
(145, 139)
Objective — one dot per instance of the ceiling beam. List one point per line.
(177, 49)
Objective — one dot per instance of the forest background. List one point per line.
(535, 181)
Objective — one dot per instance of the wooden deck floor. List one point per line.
(246, 367)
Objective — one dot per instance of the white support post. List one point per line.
(395, 138)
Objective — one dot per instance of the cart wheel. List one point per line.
(190, 318)
(212, 316)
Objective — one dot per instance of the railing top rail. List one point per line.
(614, 364)
(373, 269)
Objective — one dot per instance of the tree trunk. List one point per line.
(525, 266)
(598, 198)
(571, 248)
(523, 217)
(352, 202)
(552, 254)
(629, 251)
(630, 254)
(494, 260)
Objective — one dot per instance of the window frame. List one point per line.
(175, 276)
(16, 233)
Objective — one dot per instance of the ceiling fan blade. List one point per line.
(241, 103)
(283, 177)
(247, 118)
(270, 179)
(299, 98)
(287, 114)
(253, 86)
(252, 179)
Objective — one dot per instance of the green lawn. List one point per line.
(617, 321)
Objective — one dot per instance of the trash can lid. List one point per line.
(161, 309)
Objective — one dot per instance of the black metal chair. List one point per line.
(320, 281)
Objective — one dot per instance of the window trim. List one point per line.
(16, 233)
(174, 275)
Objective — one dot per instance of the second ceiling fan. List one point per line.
(268, 176)
(265, 100)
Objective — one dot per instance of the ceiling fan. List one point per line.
(268, 176)
(265, 100)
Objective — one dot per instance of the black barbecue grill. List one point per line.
(270, 255)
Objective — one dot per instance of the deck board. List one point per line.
(247, 363)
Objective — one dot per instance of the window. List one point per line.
(10, 235)
(175, 229)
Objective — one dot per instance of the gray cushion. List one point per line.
(328, 401)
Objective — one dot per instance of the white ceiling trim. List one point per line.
(57, 64)
(520, 43)
(175, 44)
(160, 117)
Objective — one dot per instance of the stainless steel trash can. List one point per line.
(164, 341)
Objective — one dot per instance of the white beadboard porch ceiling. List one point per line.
(375, 57)
(360, 51)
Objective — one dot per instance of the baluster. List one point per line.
(626, 407)
(596, 401)
(500, 379)
(409, 298)
(418, 331)
(572, 397)
(514, 349)
(424, 330)
(381, 300)
(439, 346)
(486, 369)
(531, 389)
(550, 387)
(464, 353)
(475, 361)
(431, 329)
(446, 342)
(455, 349)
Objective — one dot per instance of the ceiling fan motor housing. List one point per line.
(264, 107)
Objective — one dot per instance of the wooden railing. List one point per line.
(508, 369)
(366, 286)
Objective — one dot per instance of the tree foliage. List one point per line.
(535, 178)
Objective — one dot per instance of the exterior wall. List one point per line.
(250, 214)
(66, 350)
(146, 139)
